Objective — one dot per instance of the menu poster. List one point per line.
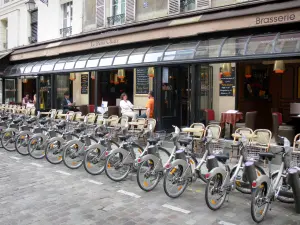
(84, 83)
(227, 84)
(142, 80)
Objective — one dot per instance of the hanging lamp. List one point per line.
(121, 74)
(93, 75)
(42, 79)
(72, 76)
(25, 81)
(248, 71)
(151, 72)
(279, 67)
(111, 78)
(226, 69)
(116, 80)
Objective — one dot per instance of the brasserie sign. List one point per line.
(275, 19)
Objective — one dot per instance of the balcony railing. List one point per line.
(5, 45)
(32, 40)
(66, 31)
(116, 20)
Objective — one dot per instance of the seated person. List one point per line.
(67, 103)
(149, 106)
(127, 107)
(25, 100)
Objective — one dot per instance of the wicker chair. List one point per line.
(114, 122)
(241, 132)
(91, 117)
(260, 143)
(78, 116)
(123, 120)
(197, 137)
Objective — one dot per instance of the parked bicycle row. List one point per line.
(113, 148)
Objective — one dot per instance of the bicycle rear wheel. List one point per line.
(259, 205)
(73, 156)
(147, 177)
(286, 193)
(215, 195)
(174, 184)
(36, 147)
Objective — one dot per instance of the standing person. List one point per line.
(126, 107)
(149, 106)
(67, 103)
(25, 100)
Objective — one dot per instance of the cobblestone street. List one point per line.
(36, 192)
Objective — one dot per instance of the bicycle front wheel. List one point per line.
(8, 141)
(147, 177)
(174, 183)
(259, 205)
(215, 195)
(73, 156)
(115, 169)
(22, 144)
(36, 147)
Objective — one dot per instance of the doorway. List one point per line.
(29, 87)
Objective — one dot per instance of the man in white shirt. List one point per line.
(127, 107)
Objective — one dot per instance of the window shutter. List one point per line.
(100, 13)
(130, 11)
(173, 6)
(203, 4)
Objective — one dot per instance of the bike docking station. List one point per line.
(250, 171)
(212, 162)
(294, 181)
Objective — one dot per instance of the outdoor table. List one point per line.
(192, 130)
(139, 109)
(231, 119)
(248, 136)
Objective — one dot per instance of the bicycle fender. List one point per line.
(215, 171)
(11, 130)
(73, 142)
(262, 179)
(99, 146)
(184, 165)
(26, 132)
(158, 166)
(60, 139)
(40, 135)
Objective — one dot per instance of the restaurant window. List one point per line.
(10, 90)
(45, 93)
(187, 5)
(257, 86)
(89, 21)
(150, 9)
(67, 11)
(62, 86)
(118, 13)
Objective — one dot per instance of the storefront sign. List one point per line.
(142, 81)
(227, 84)
(275, 19)
(84, 83)
(100, 43)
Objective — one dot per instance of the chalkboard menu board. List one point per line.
(84, 83)
(142, 81)
(227, 84)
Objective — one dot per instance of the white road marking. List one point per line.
(1, 153)
(13, 157)
(176, 209)
(94, 182)
(62, 172)
(225, 223)
(129, 193)
(36, 164)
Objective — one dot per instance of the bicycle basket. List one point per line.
(295, 159)
(251, 152)
(216, 147)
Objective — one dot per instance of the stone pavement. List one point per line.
(36, 192)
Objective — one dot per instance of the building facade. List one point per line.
(109, 46)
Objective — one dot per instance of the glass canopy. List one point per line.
(225, 48)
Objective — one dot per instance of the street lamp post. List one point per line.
(30, 4)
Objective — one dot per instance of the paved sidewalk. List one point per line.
(36, 192)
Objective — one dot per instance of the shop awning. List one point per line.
(274, 45)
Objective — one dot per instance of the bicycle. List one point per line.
(151, 162)
(74, 150)
(94, 160)
(223, 181)
(119, 162)
(182, 170)
(268, 188)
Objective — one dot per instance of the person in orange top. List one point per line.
(149, 106)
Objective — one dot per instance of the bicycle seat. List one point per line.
(222, 158)
(153, 141)
(4, 117)
(61, 125)
(101, 134)
(31, 120)
(267, 155)
(44, 121)
(18, 120)
(185, 141)
(124, 137)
